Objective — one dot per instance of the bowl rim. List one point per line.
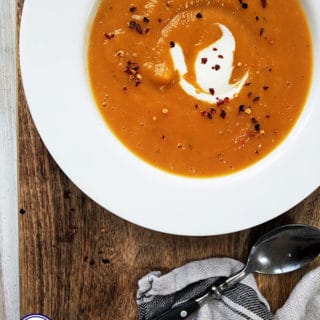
(129, 187)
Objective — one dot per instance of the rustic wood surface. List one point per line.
(78, 261)
(9, 280)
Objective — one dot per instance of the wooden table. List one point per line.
(78, 261)
(9, 279)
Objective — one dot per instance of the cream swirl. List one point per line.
(213, 67)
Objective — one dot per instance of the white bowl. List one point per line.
(53, 64)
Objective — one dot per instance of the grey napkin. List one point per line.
(158, 293)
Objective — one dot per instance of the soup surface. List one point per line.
(203, 87)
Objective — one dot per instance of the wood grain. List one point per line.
(2, 298)
(9, 290)
(78, 261)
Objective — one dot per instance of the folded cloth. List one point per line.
(158, 293)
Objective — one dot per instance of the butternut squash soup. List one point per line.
(200, 88)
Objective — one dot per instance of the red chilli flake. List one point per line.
(132, 69)
(261, 31)
(132, 25)
(271, 41)
(220, 56)
(203, 113)
(244, 5)
(241, 108)
(146, 20)
(249, 94)
(172, 44)
(204, 60)
(109, 35)
(220, 102)
(199, 15)
(256, 99)
(257, 127)
(215, 49)
(212, 91)
(263, 3)
(138, 28)
(133, 9)
(223, 114)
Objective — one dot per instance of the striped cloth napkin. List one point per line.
(158, 293)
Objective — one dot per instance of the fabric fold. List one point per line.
(158, 293)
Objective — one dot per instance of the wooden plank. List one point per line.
(9, 290)
(78, 261)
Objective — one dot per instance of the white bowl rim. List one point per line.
(51, 45)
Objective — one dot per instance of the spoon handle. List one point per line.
(185, 309)
(233, 280)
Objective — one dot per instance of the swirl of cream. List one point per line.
(213, 85)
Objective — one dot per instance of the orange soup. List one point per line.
(200, 88)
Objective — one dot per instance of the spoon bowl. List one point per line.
(284, 249)
(281, 250)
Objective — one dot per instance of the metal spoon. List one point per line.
(281, 250)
